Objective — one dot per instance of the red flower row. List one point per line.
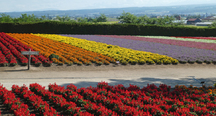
(69, 108)
(36, 59)
(111, 101)
(90, 106)
(3, 61)
(179, 100)
(119, 100)
(13, 50)
(8, 55)
(13, 103)
(41, 106)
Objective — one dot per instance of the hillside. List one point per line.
(112, 12)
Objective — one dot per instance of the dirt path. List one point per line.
(84, 76)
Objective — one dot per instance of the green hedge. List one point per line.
(53, 27)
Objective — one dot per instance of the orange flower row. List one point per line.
(67, 53)
(209, 89)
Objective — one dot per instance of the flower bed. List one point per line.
(41, 106)
(3, 61)
(62, 53)
(124, 55)
(183, 51)
(204, 39)
(16, 47)
(104, 49)
(14, 104)
(111, 100)
(207, 38)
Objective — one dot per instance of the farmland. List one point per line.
(65, 58)
(105, 49)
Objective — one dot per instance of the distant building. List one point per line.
(210, 18)
(180, 21)
(193, 21)
(203, 23)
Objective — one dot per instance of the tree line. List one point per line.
(131, 18)
(24, 18)
(124, 18)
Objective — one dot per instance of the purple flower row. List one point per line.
(181, 53)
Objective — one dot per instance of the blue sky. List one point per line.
(33, 5)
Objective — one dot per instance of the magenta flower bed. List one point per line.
(200, 45)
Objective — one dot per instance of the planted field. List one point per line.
(105, 49)
(108, 100)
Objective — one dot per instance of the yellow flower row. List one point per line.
(124, 55)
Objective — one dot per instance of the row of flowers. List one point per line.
(90, 106)
(206, 44)
(183, 51)
(158, 98)
(72, 110)
(14, 104)
(124, 55)
(3, 61)
(69, 108)
(146, 106)
(8, 55)
(207, 38)
(35, 59)
(42, 107)
(14, 51)
(153, 100)
(113, 100)
(65, 52)
(204, 40)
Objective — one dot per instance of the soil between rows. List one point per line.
(55, 67)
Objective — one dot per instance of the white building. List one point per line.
(203, 23)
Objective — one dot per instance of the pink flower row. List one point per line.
(200, 45)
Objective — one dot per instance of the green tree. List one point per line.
(6, 18)
(43, 18)
(82, 20)
(26, 18)
(143, 19)
(128, 18)
(66, 19)
(102, 18)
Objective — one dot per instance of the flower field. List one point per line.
(105, 49)
(108, 100)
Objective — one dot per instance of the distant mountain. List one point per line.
(162, 10)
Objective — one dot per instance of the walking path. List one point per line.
(84, 76)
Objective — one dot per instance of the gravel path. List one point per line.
(84, 76)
